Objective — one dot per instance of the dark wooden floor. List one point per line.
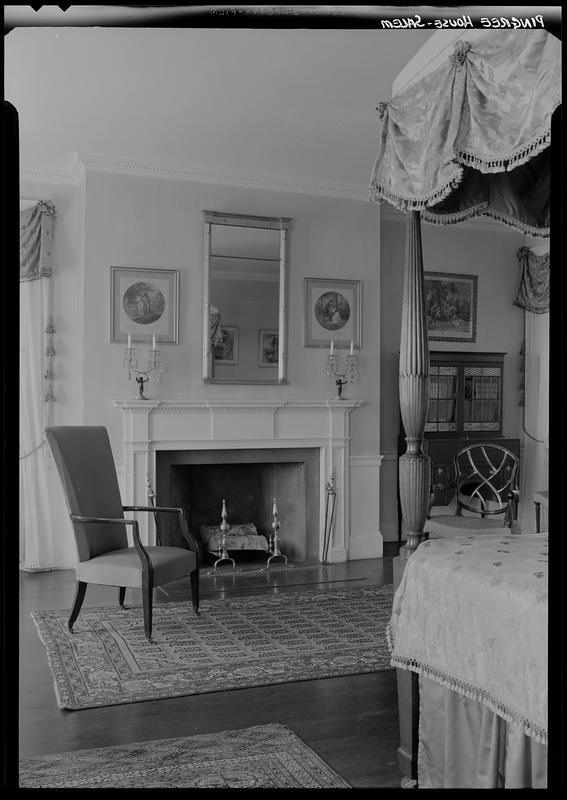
(351, 722)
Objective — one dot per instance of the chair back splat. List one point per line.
(485, 476)
(486, 491)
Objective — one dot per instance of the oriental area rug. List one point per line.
(234, 643)
(265, 756)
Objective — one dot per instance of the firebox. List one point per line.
(248, 480)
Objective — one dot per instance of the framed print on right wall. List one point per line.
(450, 306)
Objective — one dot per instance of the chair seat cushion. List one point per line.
(124, 568)
(443, 526)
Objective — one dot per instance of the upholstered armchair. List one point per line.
(85, 464)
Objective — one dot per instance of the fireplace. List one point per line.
(249, 480)
(197, 453)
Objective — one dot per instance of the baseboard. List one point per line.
(368, 545)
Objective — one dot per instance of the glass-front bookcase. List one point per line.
(465, 395)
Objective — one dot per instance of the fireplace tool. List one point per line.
(222, 551)
(330, 502)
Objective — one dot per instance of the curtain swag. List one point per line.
(533, 291)
(473, 136)
(36, 236)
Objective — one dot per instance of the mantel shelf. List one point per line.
(240, 405)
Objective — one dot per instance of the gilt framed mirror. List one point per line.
(244, 308)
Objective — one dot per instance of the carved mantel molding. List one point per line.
(155, 425)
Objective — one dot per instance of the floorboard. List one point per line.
(351, 722)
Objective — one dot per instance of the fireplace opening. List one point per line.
(248, 480)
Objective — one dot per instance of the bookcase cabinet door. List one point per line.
(465, 395)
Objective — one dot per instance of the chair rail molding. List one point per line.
(150, 426)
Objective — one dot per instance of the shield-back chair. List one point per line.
(86, 467)
(485, 487)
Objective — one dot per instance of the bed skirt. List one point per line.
(465, 745)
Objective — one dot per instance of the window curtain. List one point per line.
(533, 297)
(36, 385)
(472, 137)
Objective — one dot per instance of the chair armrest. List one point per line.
(152, 508)
(190, 538)
(147, 565)
(118, 521)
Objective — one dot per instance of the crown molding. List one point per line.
(199, 174)
(82, 162)
(72, 174)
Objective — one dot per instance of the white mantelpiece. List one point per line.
(154, 425)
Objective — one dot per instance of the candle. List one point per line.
(154, 342)
(351, 347)
(332, 347)
(129, 341)
(275, 508)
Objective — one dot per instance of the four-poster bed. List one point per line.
(470, 138)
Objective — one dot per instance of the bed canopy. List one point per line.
(470, 138)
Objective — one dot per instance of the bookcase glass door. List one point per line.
(481, 399)
(442, 416)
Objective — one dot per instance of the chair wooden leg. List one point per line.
(121, 596)
(80, 590)
(147, 598)
(195, 590)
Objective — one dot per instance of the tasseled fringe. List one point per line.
(531, 729)
(378, 194)
(518, 225)
(509, 162)
(24, 567)
(455, 216)
(483, 209)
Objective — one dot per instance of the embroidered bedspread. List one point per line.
(471, 613)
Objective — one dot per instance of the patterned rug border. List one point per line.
(72, 691)
(385, 587)
(252, 757)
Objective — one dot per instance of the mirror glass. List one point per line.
(244, 324)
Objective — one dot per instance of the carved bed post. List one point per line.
(414, 466)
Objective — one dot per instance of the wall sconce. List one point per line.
(153, 368)
(350, 373)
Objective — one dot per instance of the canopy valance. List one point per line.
(472, 137)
